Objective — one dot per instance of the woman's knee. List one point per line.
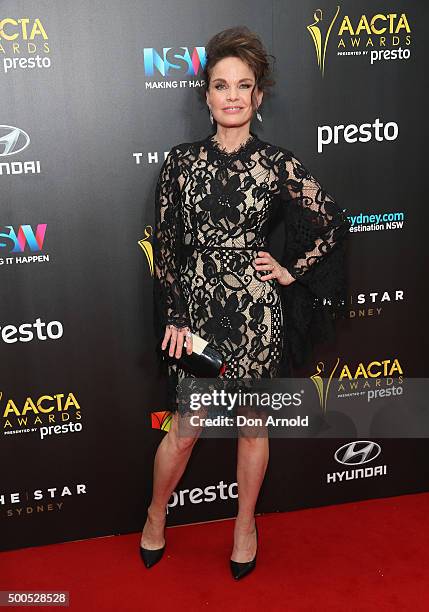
(183, 444)
(181, 438)
(251, 438)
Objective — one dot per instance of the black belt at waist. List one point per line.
(202, 247)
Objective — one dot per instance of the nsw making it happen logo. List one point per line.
(174, 61)
(168, 67)
(22, 245)
(377, 37)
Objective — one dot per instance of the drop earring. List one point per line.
(211, 117)
(259, 116)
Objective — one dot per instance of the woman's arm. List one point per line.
(315, 224)
(316, 232)
(169, 302)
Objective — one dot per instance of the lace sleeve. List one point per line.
(316, 229)
(169, 303)
(316, 224)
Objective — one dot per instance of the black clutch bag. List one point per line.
(204, 361)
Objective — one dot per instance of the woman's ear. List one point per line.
(258, 95)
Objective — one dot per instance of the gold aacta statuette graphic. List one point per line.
(146, 245)
(320, 383)
(320, 38)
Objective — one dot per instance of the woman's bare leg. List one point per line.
(170, 462)
(252, 461)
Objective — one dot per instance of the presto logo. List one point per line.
(352, 133)
(209, 494)
(24, 333)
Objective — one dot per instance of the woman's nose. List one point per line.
(233, 95)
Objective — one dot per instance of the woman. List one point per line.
(216, 202)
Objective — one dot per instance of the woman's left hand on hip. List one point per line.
(265, 261)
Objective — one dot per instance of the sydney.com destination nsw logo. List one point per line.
(374, 37)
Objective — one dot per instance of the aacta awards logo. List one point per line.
(378, 37)
(146, 246)
(373, 380)
(23, 44)
(47, 415)
(320, 38)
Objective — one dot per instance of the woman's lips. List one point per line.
(232, 111)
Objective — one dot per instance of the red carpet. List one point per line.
(364, 556)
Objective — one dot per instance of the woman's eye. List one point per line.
(246, 85)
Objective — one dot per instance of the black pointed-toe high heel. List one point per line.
(239, 570)
(151, 556)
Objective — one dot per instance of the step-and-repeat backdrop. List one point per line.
(93, 96)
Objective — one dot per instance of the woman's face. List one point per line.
(230, 90)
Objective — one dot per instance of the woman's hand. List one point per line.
(266, 262)
(176, 337)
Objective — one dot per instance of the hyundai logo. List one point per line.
(12, 140)
(358, 452)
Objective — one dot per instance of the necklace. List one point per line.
(243, 145)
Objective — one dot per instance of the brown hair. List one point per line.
(240, 42)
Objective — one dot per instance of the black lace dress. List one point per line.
(214, 210)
